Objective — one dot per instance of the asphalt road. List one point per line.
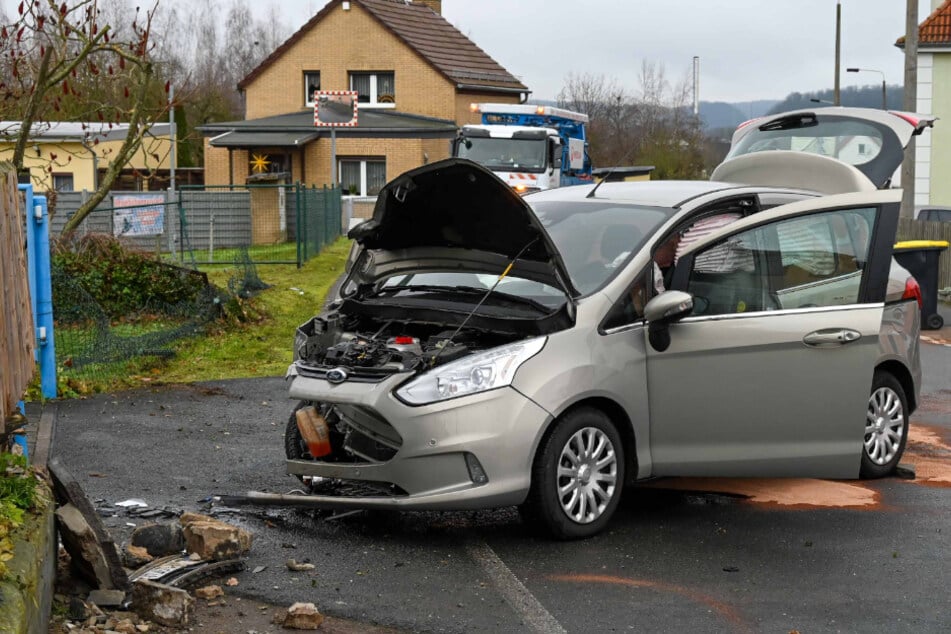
(672, 560)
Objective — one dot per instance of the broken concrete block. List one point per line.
(125, 626)
(209, 592)
(135, 556)
(161, 603)
(213, 539)
(159, 539)
(87, 554)
(303, 616)
(107, 598)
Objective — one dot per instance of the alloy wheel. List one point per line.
(587, 475)
(884, 425)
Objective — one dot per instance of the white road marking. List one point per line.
(513, 591)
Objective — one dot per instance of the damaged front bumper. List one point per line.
(465, 453)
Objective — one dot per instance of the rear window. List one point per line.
(847, 140)
(940, 215)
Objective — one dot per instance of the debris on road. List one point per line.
(107, 598)
(132, 503)
(209, 592)
(159, 540)
(135, 556)
(162, 604)
(303, 616)
(293, 566)
(213, 539)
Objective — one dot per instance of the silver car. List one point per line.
(490, 350)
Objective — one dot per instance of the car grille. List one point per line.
(355, 375)
(354, 488)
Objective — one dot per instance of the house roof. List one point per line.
(297, 128)
(935, 31)
(75, 131)
(426, 32)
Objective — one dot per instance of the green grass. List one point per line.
(253, 340)
(262, 345)
(286, 252)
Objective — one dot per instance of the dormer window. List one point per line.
(311, 84)
(375, 89)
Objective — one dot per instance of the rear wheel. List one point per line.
(886, 426)
(577, 477)
(934, 322)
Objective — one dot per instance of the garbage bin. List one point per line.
(920, 257)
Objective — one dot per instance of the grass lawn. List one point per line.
(258, 346)
(261, 346)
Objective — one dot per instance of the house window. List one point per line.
(378, 89)
(311, 84)
(362, 177)
(63, 182)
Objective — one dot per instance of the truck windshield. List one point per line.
(505, 155)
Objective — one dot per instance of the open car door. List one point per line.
(771, 373)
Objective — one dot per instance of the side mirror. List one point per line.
(556, 153)
(663, 310)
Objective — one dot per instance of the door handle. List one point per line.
(831, 337)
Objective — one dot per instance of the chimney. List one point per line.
(435, 5)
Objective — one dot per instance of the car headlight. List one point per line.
(470, 375)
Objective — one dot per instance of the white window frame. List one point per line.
(373, 103)
(309, 98)
(363, 172)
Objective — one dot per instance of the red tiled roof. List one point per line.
(429, 34)
(935, 30)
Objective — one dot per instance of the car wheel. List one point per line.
(294, 446)
(934, 322)
(577, 476)
(886, 427)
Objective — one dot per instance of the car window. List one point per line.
(814, 260)
(847, 140)
(597, 238)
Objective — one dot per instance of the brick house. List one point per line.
(415, 73)
(932, 158)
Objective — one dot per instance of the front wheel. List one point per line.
(886, 427)
(577, 477)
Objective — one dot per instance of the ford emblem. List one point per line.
(337, 375)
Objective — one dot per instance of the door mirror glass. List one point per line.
(556, 152)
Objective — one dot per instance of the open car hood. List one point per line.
(829, 150)
(455, 215)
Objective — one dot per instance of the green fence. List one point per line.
(274, 224)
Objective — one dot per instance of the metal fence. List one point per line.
(909, 229)
(273, 224)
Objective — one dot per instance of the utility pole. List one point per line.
(910, 104)
(836, 96)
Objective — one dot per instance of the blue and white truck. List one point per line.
(531, 147)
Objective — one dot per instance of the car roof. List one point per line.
(648, 193)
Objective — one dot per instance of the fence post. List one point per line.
(297, 202)
(41, 291)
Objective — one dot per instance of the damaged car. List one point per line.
(490, 350)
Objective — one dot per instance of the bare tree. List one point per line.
(66, 62)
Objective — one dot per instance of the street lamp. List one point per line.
(872, 70)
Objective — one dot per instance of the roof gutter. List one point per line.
(480, 87)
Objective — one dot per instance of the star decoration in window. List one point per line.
(259, 163)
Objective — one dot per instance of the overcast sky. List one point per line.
(748, 49)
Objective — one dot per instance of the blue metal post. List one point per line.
(41, 287)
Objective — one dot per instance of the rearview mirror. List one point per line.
(556, 152)
(663, 310)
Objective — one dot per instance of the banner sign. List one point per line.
(138, 215)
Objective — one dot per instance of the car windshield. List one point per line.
(847, 140)
(596, 238)
(505, 155)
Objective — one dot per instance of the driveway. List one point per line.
(687, 555)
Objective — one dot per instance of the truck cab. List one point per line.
(531, 148)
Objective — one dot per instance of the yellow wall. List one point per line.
(346, 41)
(73, 158)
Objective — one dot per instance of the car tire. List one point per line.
(294, 446)
(886, 426)
(934, 322)
(568, 459)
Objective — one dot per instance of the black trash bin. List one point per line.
(921, 257)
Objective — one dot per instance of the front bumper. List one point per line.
(500, 428)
